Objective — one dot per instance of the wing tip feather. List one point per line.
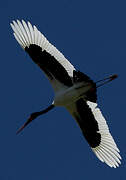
(107, 149)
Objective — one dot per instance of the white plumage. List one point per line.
(25, 34)
(73, 90)
(107, 151)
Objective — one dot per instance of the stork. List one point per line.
(73, 89)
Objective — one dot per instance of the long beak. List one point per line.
(34, 116)
(106, 80)
(30, 119)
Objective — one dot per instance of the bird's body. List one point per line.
(67, 96)
(73, 90)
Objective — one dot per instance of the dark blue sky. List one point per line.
(92, 35)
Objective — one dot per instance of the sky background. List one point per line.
(92, 35)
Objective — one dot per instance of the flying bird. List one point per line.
(73, 89)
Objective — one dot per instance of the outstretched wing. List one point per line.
(96, 131)
(56, 67)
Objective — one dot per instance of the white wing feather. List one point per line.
(107, 151)
(27, 34)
